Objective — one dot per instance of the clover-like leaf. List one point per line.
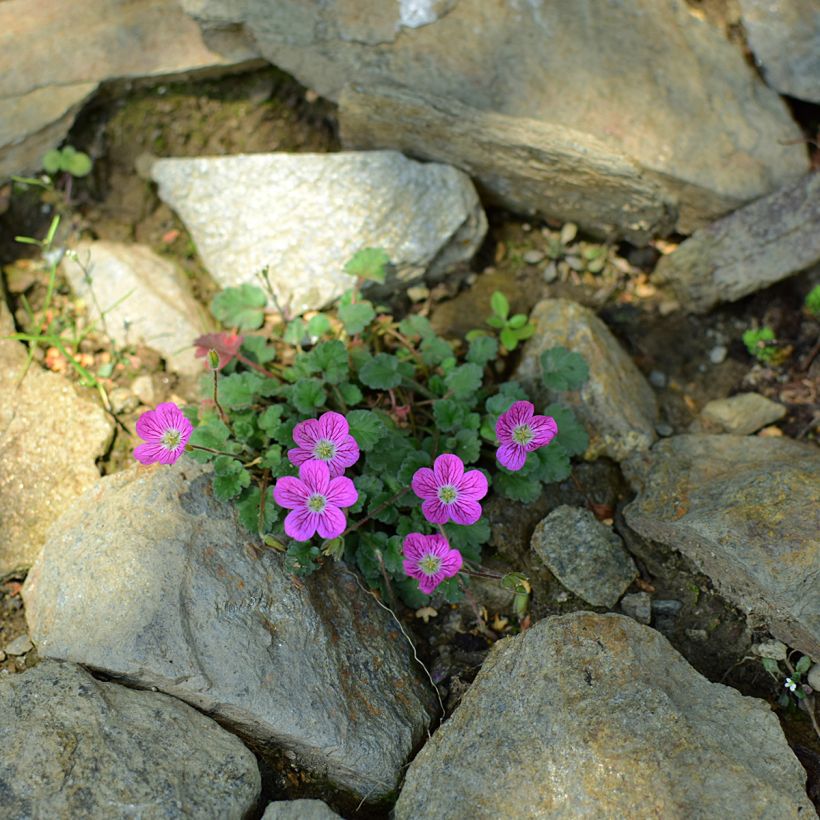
(563, 369)
(572, 435)
(230, 478)
(238, 389)
(248, 507)
(369, 263)
(483, 349)
(307, 395)
(356, 317)
(381, 372)
(464, 380)
(242, 307)
(524, 488)
(366, 427)
(500, 305)
(330, 359)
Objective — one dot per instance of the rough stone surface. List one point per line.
(146, 299)
(638, 606)
(785, 38)
(543, 168)
(73, 746)
(50, 436)
(590, 715)
(739, 415)
(55, 61)
(150, 579)
(693, 113)
(19, 646)
(298, 810)
(305, 215)
(756, 246)
(586, 556)
(747, 512)
(617, 405)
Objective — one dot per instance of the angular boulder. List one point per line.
(303, 216)
(150, 579)
(746, 511)
(74, 746)
(588, 715)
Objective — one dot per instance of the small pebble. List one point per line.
(123, 400)
(550, 273)
(2, 656)
(143, 388)
(776, 650)
(638, 606)
(19, 646)
(699, 635)
(663, 429)
(657, 378)
(813, 678)
(533, 257)
(718, 354)
(418, 293)
(666, 607)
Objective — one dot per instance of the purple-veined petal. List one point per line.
(520, 412)
(298, 456)
(148, 426)
(301, 524)
(473, 486)
(316, 476)
(434, 511)
(411, 568)
(465, 511)
(332, 522)
(148, 453)
(544, 429)
(448, 469)
(414, 546)
(511, 456)
(347, 453)
(342, 492)
(333, 426)
(170, 456)
(428, 583)
(424, 483)
(290, 493)
(451, 563)
(306, 434)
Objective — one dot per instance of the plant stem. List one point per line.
(211, 450)
(222, 413)
(420, 388)
(258, 367)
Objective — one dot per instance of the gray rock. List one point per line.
(746, 511)
(588, 715)
(298, 810)
(617, 405)
(718, 354)
(785, 38)
(150, 579)
(143, 389)
(42, 87)
(146, 299)
(305, 215)
(740, 415)
(76, 747)
(638, 606)
(756, 246)
(545, 169)
(19, 646)
(595, 69)
(586, 556)
(776, 650)
(51, 434)
(813, 678)
(667, 607)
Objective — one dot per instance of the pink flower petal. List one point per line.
(342, 492)
(290, 493)
(332, 522)
(451, 563)
(414, 547)
(448, 469)
(465, 511)
(411, 568)
(301, 524)
(545, 430)
(424, 483)
(316, 476)
(520, 412)
(428, 583)
(434, 511)
(511, 456)
(306, 434)
(472, 486)
(299, 456)
(148, 453)
(333, 426)
(347, 453)
(148, 426)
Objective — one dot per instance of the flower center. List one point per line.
(447, 494)
(430, 564)
(316, 503)
(523, 434)
(170, 439)
(324, 450)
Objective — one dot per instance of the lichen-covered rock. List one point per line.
(73, 746)
(616, 405)
(151, 579)
(739, 415)
(588, 715)
(746, 511)
(50, 437)
(298, 810)
(303, 216)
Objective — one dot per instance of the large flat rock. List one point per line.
(150, 579)
(54, 60)
(746, 511)
(73, 746)
(590, 715)
(305, 215)
(645, 77)
(51, 434)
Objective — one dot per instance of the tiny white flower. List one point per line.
(790, 685)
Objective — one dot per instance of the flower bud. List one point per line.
(213, 359)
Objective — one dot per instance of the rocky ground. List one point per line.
(711, 586)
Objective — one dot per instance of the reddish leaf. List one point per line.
(225, 344)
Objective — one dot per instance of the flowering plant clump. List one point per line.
(349, 434)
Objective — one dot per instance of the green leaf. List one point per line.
(230, 478)
(483, 349)
(517, 487)
(257, 349)
(553, 463)
(387, 458)
(368, 487)
(366, 427)
(272, 457)
(434, 350)
(270, 420)
(241, 307)
(415, 325)
(412, 462)
(350, 393)
(509, 338)
(381, 372)
(771, 666)
(466, 445)
(318, 325)
(295, 332)
(248, 508)
(369, 263)
(571, 433)
(356, 317)
(307, 395)
(78, 163)
(499, 305)
(469, 539)
(802, 666)
(214, 434)
(517, 322)
(52, 161)
(449, 414)
(464, 380)
(238, 389)
(410, 594)
(563, 369)
(330, 359)
(451, 590)
(300, 558)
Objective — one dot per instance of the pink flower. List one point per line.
(430, 559)
(326, 440)
(448, 493)
(166, 432)
(225, 344)
(314, 499)
(520, 432)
